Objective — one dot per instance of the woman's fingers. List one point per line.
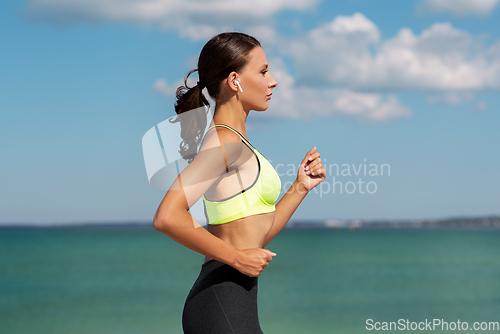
(319, 170)
(313, 163)
(313, 156)
(254, 260)
(269, 254)
(312, 171)
(314, 166)
(308, 155)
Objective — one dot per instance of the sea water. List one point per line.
(135, 280)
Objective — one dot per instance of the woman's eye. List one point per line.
(264, 72)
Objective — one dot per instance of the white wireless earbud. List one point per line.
(238, 84)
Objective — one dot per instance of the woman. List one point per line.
(238, 185)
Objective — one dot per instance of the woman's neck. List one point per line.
(231, 114)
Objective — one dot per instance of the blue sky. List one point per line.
(409, 84)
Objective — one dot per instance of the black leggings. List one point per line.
(222, 301)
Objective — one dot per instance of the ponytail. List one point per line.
(192, 127)
(189, 98)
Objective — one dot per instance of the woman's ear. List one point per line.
(231, 80)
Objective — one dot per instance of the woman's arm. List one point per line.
(311, 172)
(173, 219)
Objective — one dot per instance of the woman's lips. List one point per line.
(269, 96)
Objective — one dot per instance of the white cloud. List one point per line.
(348, 52)
(196, 19)
(345, 69)
(291, 101)
(457, 7)
(163, 87)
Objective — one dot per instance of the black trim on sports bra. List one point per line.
(258, 172)
(242, 138)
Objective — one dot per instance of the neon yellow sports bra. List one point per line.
(258, 198)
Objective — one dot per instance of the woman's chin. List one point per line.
(262, 108)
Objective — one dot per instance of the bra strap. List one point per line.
(230, 128)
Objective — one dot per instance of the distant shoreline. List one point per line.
(486, 222)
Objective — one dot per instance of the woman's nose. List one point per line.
(272, 83)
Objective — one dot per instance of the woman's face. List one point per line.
(256, 82)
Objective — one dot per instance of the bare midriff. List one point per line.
(244, 233)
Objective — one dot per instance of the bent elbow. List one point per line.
(157, 224)
(158, 221)
(162, 223)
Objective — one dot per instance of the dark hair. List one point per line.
(221, 55)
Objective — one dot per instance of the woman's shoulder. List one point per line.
(223, 140)
(218, 135)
